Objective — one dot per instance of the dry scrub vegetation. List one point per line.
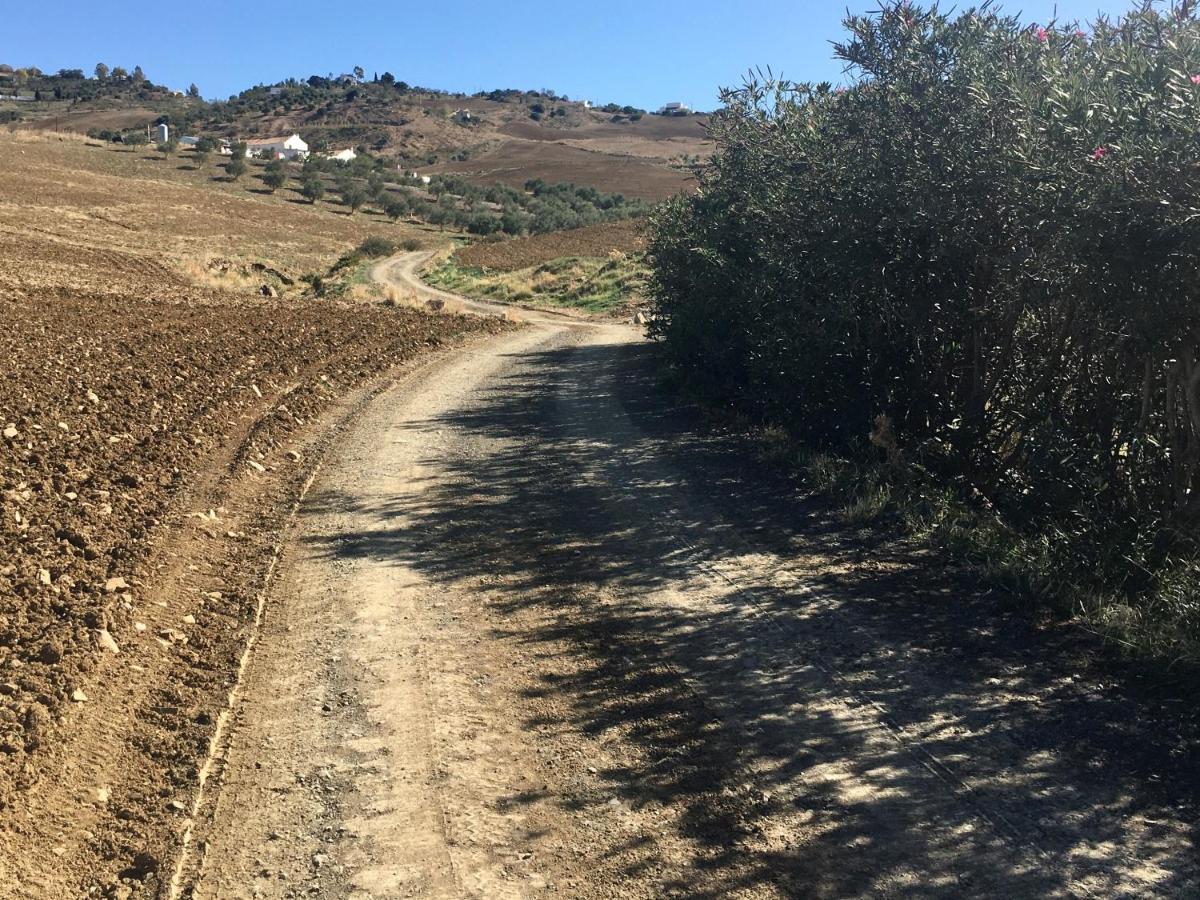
(124, 381)
(597, 269)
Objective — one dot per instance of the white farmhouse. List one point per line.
(278, 147)
(674, 108)
(343, 155)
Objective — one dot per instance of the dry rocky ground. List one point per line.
(155, 433)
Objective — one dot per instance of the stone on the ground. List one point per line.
(106, 641)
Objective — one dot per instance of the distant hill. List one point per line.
(506, 136)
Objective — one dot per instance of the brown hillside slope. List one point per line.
(497, 141)
(92, 195)
(592, 240)
(516, 161)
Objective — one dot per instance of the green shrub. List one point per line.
(313, 189)
(376, 245)
(353, 196)
(988, 240)
(236, 167)
(274, 178)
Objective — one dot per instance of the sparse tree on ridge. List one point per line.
(358, 72)
(119, 72)
(236, 167)
(193, 91)
(275, 177)
(313, 189)
(354, 197)
(138, 75)
(101, 72)
(394, 208)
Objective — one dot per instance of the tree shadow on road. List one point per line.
(820, 712)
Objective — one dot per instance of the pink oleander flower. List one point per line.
(1196, 79)
(1100, 152)
(1043, 35)
(1080, 33)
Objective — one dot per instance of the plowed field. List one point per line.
(521, 253)
(515, 161)
(154, 433)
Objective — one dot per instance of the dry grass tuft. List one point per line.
(202, 272)
(26, 136)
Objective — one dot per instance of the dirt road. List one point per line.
(403, 271)
(536, 634)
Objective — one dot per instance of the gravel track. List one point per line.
(540, 632)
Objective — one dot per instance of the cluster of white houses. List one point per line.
(291, 147)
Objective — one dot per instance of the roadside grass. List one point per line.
(591, 284)
(1035, 571)
(350, 277)
(199, 270)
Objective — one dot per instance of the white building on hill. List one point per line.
(343, 155)
(278, 147)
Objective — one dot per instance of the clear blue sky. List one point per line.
(643, 53)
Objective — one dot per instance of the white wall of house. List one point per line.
(292, 147)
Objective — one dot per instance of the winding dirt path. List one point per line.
(403, 271)
(533, 634)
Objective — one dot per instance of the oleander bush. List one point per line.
(982, 257)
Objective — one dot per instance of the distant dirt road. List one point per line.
(403, 271)
(535, 635)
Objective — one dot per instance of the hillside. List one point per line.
(502, 136)
(69, 100)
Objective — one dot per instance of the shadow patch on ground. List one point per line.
(605, 499)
